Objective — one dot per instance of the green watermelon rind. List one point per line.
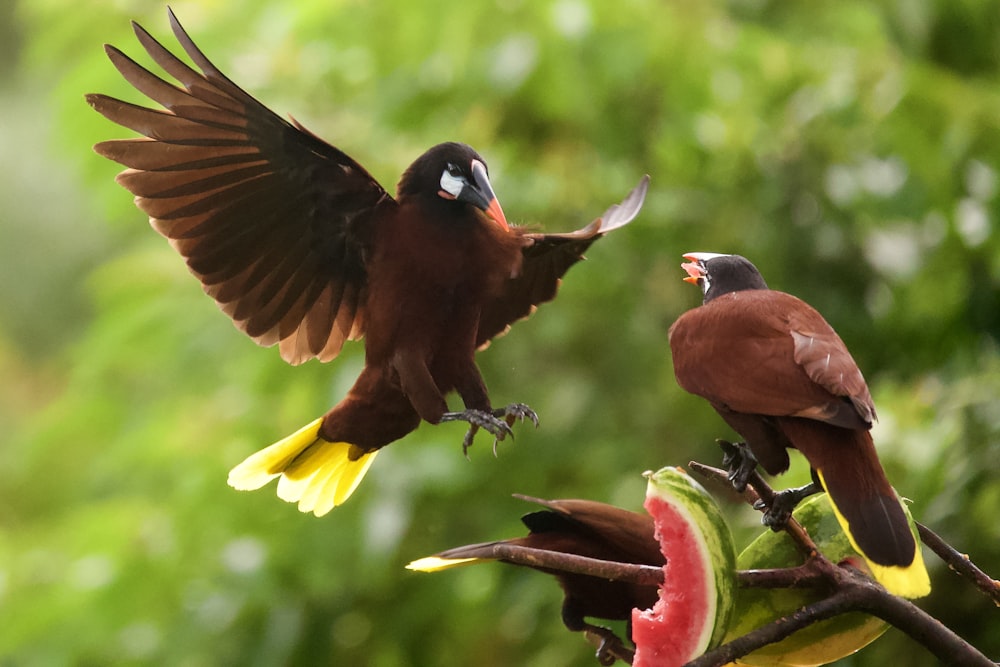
(716, 547)
(820, 643)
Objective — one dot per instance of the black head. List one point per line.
(454, 173)
(721, 274)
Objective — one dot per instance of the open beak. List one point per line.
(694, 270)
(481, 195)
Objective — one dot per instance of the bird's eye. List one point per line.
(452, 182)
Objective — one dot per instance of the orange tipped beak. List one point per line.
(482, 195)
(694, 272)
(495, 212)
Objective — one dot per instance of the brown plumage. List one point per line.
(780, 376)
(584, 528)
(302, 248)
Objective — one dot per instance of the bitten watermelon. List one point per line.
(696, 598)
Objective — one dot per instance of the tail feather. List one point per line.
(867, 507)
(465, 555)
(436, 564)
(908, 579)
(261, 467)
(315, 473)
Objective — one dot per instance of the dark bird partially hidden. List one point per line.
(583, 528)
(302, 248)
(781, 377)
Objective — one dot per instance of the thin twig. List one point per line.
(806, 575)
(960, 563)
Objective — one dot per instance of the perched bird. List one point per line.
(582, 528)
(302, 248)
(780, 376)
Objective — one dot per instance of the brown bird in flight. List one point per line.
(582, 528)
(302, 248)
(781, 377)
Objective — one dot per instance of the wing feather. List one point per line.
(275, 222)
(547, 257)
(758, 364)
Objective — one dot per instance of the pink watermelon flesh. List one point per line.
(671, 632)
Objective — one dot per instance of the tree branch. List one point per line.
(775, 631)
(934, 635)
(960, 563)
(856, 592)
(643, 575)
(803, 576)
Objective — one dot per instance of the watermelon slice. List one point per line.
(696, 598)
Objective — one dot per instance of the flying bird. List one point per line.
(583, 528)
(302, 248)
(782, 378)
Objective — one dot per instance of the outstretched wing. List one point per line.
(272, 220)
(546, 258)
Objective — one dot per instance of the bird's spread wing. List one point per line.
(547, 257)
(273, 221)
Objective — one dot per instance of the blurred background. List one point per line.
(849, 148)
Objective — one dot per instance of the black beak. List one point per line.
(479, 193)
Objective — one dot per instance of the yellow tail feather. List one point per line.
(436, 564)
(317, 474)
(910, 582)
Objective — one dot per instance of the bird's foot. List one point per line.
(739, 461)
(777, 515)
(610, 647)
(510, 414)
(516, 412)
(480, 419)
(497, 422)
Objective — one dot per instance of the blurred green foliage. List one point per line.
(849, 148)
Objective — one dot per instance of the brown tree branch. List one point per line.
(923, 628)
(802, 576)
(856, 592)
(643, 575)
(807, 575)
(960, 563)
(775, 631)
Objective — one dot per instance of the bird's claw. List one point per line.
(497, 422)
(516, 412)
(480, 419)
(610, 647)
(739, 461)
(777, 515)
